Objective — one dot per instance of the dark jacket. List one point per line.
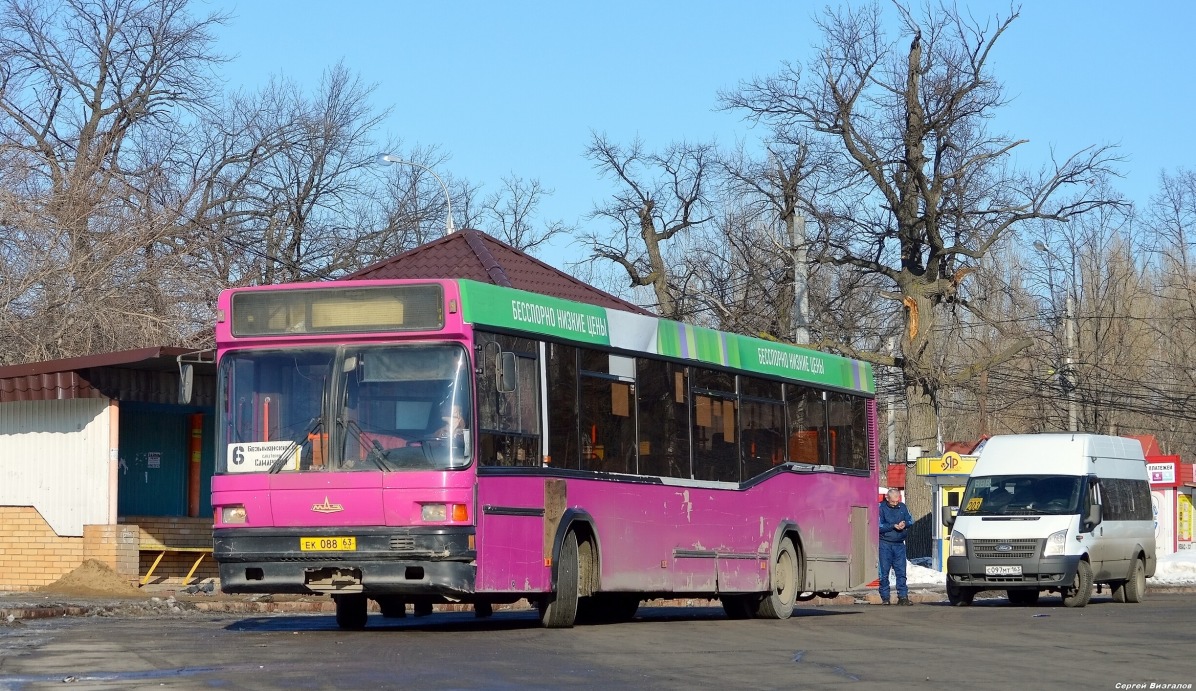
(891, 516)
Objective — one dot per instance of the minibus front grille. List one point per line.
(1025, 548)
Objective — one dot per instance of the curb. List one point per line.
(156, 605)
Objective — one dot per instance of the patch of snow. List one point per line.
(1175, 569)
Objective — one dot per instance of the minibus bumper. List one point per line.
(1035, 572)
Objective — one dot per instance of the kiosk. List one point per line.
(947, 476)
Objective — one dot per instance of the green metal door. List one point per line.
(153, 463)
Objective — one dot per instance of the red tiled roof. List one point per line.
(475, 255)
(963, 447)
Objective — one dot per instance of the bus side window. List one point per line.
(508, 401)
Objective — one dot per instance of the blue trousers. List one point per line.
(892, 556)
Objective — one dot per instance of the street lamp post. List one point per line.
(1069, 323)
(391, 159)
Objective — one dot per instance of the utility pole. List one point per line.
(1067, 380)
(801, 279)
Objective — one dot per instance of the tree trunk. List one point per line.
(919, 494)
(920, 349)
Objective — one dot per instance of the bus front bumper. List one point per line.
(383, 561)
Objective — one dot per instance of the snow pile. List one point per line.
(1175, 569)
(921, 575)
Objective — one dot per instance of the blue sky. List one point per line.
(517, 87)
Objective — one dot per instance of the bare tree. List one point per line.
(88, 90)
(301, 180)
(932, 191)
(510, 214)
(661, 194)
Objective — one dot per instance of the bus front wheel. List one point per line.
(778, 604)
(351, 612)
(559, 609)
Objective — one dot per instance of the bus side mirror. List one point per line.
(1093, 517)
(186, 382)
(948, 515)
(506, 372)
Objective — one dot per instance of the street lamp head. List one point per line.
(391, 159)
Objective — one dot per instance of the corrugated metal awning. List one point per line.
(146, 374)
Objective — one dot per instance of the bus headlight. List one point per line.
(434, 513)
(440, 513)
(959, 546)
(233, 514)
(1056, 544)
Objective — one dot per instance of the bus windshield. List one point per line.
(1020, 495)
(388, 408)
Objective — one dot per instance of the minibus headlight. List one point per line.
(1056, 544)
(232, 514)
(959, 546)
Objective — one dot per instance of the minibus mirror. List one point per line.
(506, 372)
(186, 382)
(1093, 517)
(948, 515)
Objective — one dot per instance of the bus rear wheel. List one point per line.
(351, 612)
(559, 609)
(786, 584)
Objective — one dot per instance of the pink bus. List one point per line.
(416, 442)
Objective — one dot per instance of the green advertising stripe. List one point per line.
(573, 321)
(524, 311)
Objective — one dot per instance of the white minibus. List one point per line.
(1053, 513)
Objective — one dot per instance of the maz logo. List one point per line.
(326, 507)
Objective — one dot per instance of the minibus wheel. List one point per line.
(959, 595)
(1081, 591)
(1135, 587)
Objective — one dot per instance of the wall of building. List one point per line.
(32, 555)
(55, 458)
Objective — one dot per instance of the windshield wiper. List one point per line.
(375, 453)
(313, 426)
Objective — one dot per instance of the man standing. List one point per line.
(895, 521)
